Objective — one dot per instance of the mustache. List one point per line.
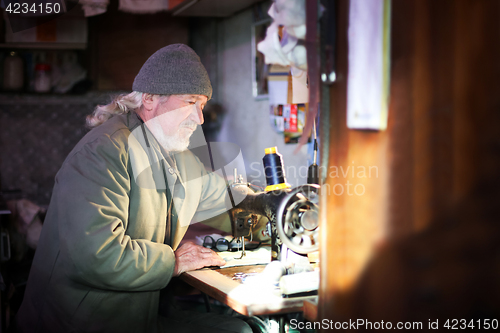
(189, 124)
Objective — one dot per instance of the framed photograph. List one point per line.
(259, 68)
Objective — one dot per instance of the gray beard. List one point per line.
(171, 143)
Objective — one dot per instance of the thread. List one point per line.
(273, 168)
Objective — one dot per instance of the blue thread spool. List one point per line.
(273, 168)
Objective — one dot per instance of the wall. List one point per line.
(37, 132)
(246, 121)
(225, 48)
(122, 42)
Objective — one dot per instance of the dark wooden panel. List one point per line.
(400, 128)
(124, 41)
(441, 111)
(389, 255)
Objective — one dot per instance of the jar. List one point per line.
(13, 72)
(42, 78)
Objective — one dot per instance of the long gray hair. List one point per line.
(123, 103)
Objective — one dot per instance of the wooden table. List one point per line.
(247, 299)
(311, 309)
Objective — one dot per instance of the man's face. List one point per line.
(175, 119)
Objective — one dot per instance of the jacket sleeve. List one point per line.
(92, 194)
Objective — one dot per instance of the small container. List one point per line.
(42, 78)
(13, 72)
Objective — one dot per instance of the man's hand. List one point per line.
(190, 256)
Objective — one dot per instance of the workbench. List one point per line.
(249, 300)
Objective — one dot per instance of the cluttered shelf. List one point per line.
(92, 98)
(44, 46)
(42, 70)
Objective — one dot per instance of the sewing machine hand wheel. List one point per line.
(297, 219)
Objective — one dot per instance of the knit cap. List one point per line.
(173, 70)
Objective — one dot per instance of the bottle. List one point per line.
(13, 72)
(42, 78)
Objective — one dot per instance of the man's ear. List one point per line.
(149, 101)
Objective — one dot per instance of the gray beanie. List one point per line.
(173, 70)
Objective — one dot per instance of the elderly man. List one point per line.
(121, 204)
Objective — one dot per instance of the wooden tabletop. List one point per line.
(311, 309)
(247, 299)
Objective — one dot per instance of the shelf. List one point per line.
(44, 46)
(26, 98)
(209, 8)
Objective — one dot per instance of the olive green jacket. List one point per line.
(101, 258)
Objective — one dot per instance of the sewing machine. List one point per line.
(292, 215)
